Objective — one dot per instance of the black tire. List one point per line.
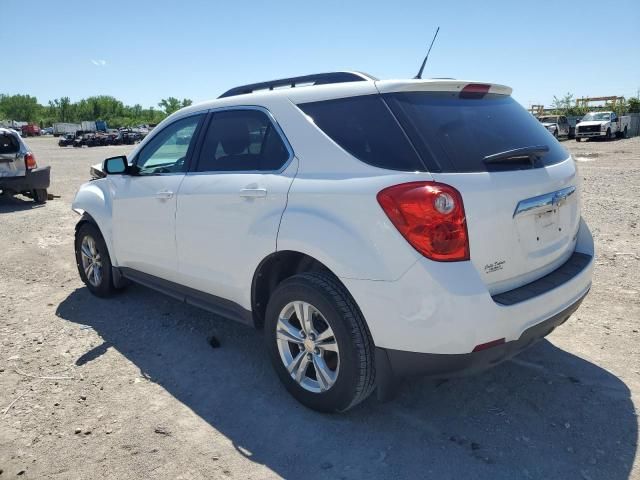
(39, 195)
(609, 136)
(105, 287)
(555, 134)
(578, 139)
(625, 134)
(356, 375)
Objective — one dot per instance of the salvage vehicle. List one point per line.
(66, 140)
(558, 125)
(605, 125)
(65, 128)
(19, 172)
(373, 229)
(30, 130)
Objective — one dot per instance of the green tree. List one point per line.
(24, 108)
(172, 104)
(563, 104)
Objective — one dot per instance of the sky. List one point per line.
(141, 51)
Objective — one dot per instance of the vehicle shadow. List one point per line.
(545, 414)
(10, 203)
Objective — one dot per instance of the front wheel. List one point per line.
(319, 343)
(93, 261)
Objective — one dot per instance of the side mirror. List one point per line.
(115, 165)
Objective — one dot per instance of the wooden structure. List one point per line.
(585, 101)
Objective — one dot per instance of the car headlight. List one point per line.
(603, 127)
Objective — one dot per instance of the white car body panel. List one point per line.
(143, 216)
(222, 236)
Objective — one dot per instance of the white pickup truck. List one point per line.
(602, 125)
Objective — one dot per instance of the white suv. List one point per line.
(373, 229)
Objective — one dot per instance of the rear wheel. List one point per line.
(93, 261)
(319, 343)
(625, 134)
(39, 195)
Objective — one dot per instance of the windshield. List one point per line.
(603, 116)
(548, 119)
(454, 134)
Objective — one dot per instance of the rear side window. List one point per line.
(365, 128)
(454, 134)
(242, 140)
(8, 144)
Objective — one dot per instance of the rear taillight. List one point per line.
(30, 161)
(430, 216)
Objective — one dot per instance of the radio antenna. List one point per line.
(424, 62)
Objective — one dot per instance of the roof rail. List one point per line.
(315, 79)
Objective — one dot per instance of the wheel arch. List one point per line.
(273, 270)
(94, 205)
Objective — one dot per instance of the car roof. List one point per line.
(311, 93)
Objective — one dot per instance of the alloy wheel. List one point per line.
(308, 347)
(91, 261)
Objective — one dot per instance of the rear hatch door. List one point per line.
(519, 185)
(11, 161)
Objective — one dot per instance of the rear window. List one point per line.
(8, 144)
(365, 128)
(454, 134)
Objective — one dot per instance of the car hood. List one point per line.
(592, 122)
(549, 124)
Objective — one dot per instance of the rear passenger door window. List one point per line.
(242, 141)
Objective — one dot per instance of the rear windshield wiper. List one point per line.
(531, 154)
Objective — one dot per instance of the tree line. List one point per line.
(101, 107)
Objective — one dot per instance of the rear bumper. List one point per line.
(400, 363)
(38, 178)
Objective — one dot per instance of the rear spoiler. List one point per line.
(437, 85)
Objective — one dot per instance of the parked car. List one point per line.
(605, 125)
(19, 172)
(30, 130)
(558, 125)
(67, 140)
(355, 230)
(81, 139)
(46, 131)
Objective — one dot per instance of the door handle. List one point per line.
(253, 192)
(164, 194)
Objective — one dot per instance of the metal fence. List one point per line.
(634, 129)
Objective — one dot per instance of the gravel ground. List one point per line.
(132, 388)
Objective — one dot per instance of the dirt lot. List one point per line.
(131, 387)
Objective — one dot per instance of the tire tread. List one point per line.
(360, 335)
